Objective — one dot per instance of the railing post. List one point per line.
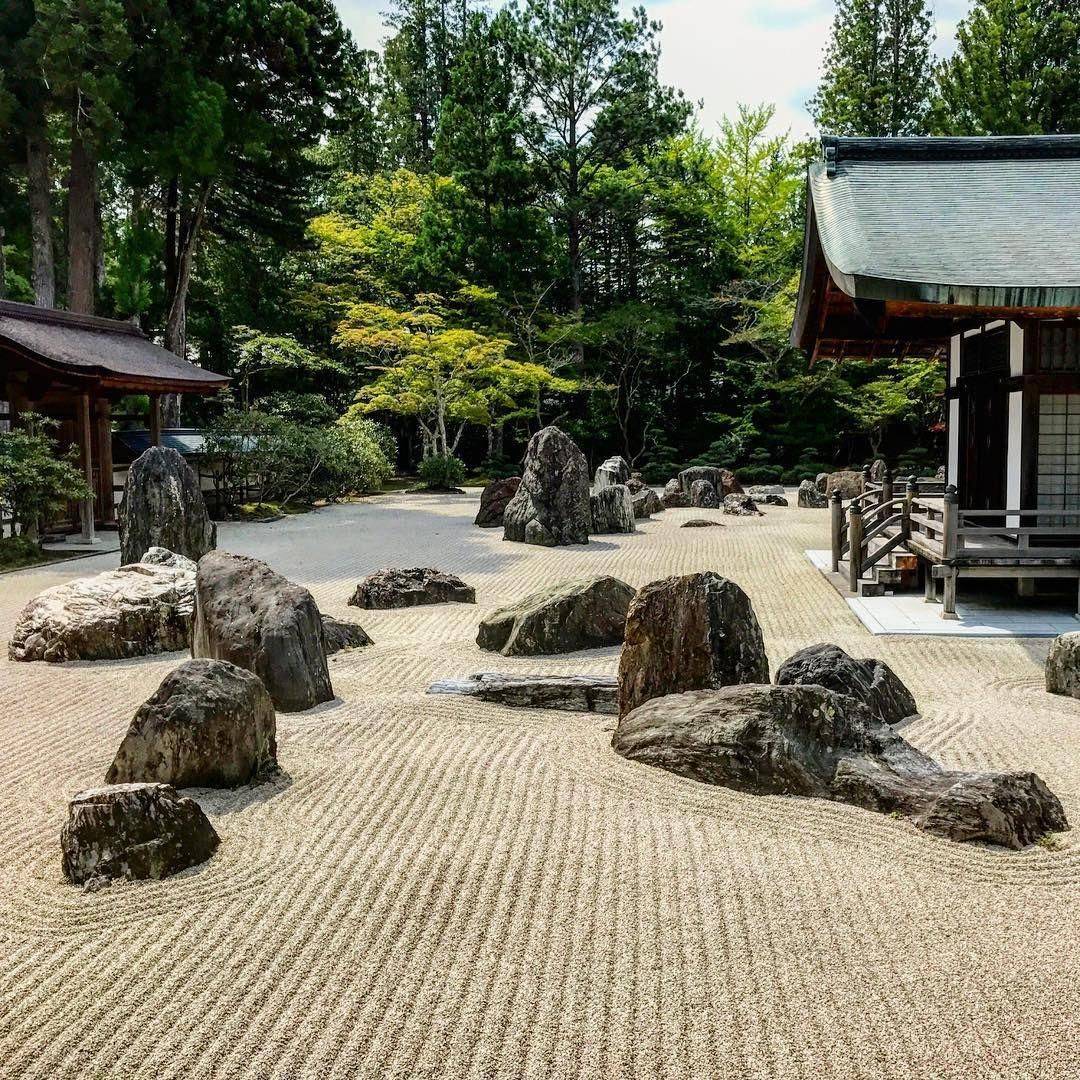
(836, 510)
(911, 493)
(886, 485)
(865, 478)
(855, 530)
(951, 522)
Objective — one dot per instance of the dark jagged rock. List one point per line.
(612, 510)
(689, 633)
(775, 500)
(494, 500)
(740, 506)
(811, 497)
(339, 635)
(253, 617)
(209, 724)
(569, 693)
(636, 483)
(872, 682)
(701, 523)
(581, 614)
(133, 831)
(613, 471)
(722, 479)
(412, 587)
(810, 741)
(703, 495)
(163, 506)
(674, 496)
(646, 503)
(551, 507)
(821, 481)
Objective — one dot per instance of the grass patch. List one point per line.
(17, 552)
(1049, 841)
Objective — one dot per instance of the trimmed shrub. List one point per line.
(442, 471)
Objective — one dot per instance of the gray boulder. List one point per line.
(209, 724)
(821, 481)
(878, 468)
(582, 614)
(872, 682)
(811, 741)
(646, 503)
(703, 495)
(846, 481)
(613, 471)
(493, 502)
(551, 507)
(412, 587)
(636, 483)
(775, 500)
(760, 491)
(568, 693)
(612, 510)
(940, 474)
(133, 831)
(674, 496)
(163, 506)
(1063, 665)
(810, 497)
(137, 610)
(740, 506)
(689, 633)
(722, 479)
(339, 635)
(253, 617)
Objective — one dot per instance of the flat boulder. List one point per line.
(133, 831)
(689, 633)
(872, 682)
(583, 614)
(775, 500)
(811, 497)
(847, 481)
(339, 635)
(612, 509)
(136, 610)
(551, 507)
(1063, 665)
(209, 724)
(722, 479)
(646, 503)
(674, 496)
(412, 587)
(811, 741)
(740, 506)
(253, 617)
(703, 495)
(163, 506)
(613, 471)
(568, 693)
(493, 502)
(701, 523)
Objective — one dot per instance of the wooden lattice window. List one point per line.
(1059, 346)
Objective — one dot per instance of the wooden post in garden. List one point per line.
(836, 511)
(865, 478)
(855, 529)
(911, 493)
(950, 523)
(886, 486)
(86, 447)
(154, 426)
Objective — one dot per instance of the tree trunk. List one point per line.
(3, 266)
(82, 219)
(42, 269)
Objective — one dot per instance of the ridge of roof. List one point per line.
(56, 317)
(836, 148)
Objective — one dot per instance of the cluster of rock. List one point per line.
(397, 588)
(551, 505)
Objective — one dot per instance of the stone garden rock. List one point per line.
(612, 510)
(674, 496)
(569, 693)
(846, 481)
(775, 500)
(636, 484)
(493, 502)
(583, 614)
(701, 523)
(760, 491)
(1063, 665)
(811, 497)
(740, 506)
(613, 471)
(689, 633)
(253, 617)
(940, 474)
(722, 479)
(878, 469)
(137, 610)
(339, 634)
(209, 724)
(551, 507)
(646, 503)
(703, 495)
(821, 481)
(163, 506)
(872, 682)
(133, 831)
(412, 587)
(811, 741)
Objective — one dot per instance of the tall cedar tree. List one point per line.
(877, 76)
(1016, 70)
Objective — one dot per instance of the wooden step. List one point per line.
(871, 588)
(888, 575)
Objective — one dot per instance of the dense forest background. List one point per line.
(501, 220)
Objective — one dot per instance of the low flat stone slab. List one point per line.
(414, 586)
(700, 523)
(339, 634)
(567, 693)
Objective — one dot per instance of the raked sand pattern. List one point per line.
(439, 887)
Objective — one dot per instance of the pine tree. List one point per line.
(1016, 70)
(877, 74)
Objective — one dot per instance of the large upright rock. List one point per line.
(810, 741)
(137, 610)
(163, 506)
(810, 497)
(871, 681)
(253, 617)
(133, 831)
(414, 586)
(646, 503)
(494, 500)
(551, 507)
(722, 479)
(1063, 665)
(612, 510)
(582, 614)
(846, 481)
(689, 633)
(704, 496)
(613, 471)
(209, 724)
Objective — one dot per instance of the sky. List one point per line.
(723, 52)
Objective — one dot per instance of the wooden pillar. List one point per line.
(155, 420)
(106, 507)
(86, 447)
(855, 539)
(836, 512)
